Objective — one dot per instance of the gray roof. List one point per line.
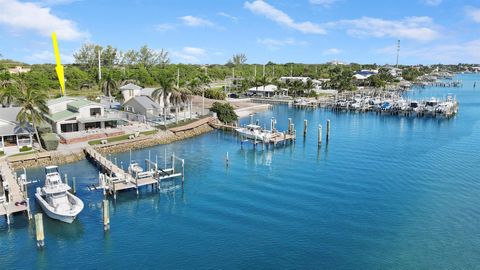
(147, 91)
(130, 86)
(9, 124)
(144, 101)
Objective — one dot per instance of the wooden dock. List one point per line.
(113, 178)
(13, 194)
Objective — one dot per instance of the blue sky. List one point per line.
(210, 31)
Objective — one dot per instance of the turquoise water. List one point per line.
(387, 192)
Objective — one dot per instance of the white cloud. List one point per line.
(19, 16)
(325, 3)
(432, 2)
(414, 28)
(473, 13)
(57, 2)
(332, 51)
(466, 52)
(270, 12)
(277, 43)
(226, 15)
(195, 21)
(47, 56)
(189, 55)
(164, 27)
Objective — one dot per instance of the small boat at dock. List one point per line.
(55, 199)
(254, 132)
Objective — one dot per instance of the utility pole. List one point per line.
(398, 52)
(291, 70)
(263, 71)
(255, 71)
(99, 66)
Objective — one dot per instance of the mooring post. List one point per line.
(305, 124)
(66, 179)
(39, 230)
(226, 160)
(106, 216)
(251, 119)
(74, 189)
(328, 130)
(289, 125)
(319, 135)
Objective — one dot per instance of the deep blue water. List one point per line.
(386, 192)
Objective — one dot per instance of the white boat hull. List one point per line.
(64, 217)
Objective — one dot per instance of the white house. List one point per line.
(131, 90)
(13, 135)
(72, 114)
(143, 105)
(269, 90)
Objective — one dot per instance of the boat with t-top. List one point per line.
(55, 199)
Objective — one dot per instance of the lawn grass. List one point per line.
(121, 138)
(24, 153)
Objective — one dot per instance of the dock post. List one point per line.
(328, 130)
(226, 160)
(39, 230)
(251, 119)
(74, 188)
(66, 179)
(305, 124)
(319, 135)
(106, 216)
(289, 125)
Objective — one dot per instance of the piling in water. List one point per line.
(289, 125)
(305, 124)
(106, 216)
(74, 188)
(39, 230)
(319, 135)
(328, 130)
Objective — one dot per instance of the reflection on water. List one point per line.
(386, 192)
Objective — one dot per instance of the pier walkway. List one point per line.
(13, 197)
(113, 178)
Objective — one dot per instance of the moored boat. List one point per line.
(55, 199)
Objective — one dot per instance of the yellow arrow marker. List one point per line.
(59, 67)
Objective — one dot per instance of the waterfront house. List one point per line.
(143, 105)
(77, 115)
(13, 135)
(267, 91)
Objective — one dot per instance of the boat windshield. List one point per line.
(50, 170)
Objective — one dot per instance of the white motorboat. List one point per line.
(55, 199)
(134, 168)
(254, 132)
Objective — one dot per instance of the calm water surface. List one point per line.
(387, 192)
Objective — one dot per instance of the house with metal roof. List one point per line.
(14, 135)
(73, 114)
(143, 105)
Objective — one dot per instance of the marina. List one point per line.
(256, 184)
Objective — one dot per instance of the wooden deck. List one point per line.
(116, 179)
(17, 198)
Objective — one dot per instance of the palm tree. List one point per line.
(109, 85)
(309, 86)
(8, 90)
(205, 85)
(34, 106)
(167, 87)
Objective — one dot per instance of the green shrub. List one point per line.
(215, 93)
(44, 128)
(25, 148)
(2, 153)
(50, 141)
(225, 112)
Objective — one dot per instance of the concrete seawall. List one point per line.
(57, 158)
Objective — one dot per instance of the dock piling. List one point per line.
(39, 230)
(305, 124)
(289, 125)
(106, 216)
(66, 179)
(74, 188)
(319, 135)
(328, 130)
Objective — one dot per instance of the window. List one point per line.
(73, 127)
(93, 125)
(95, 111)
